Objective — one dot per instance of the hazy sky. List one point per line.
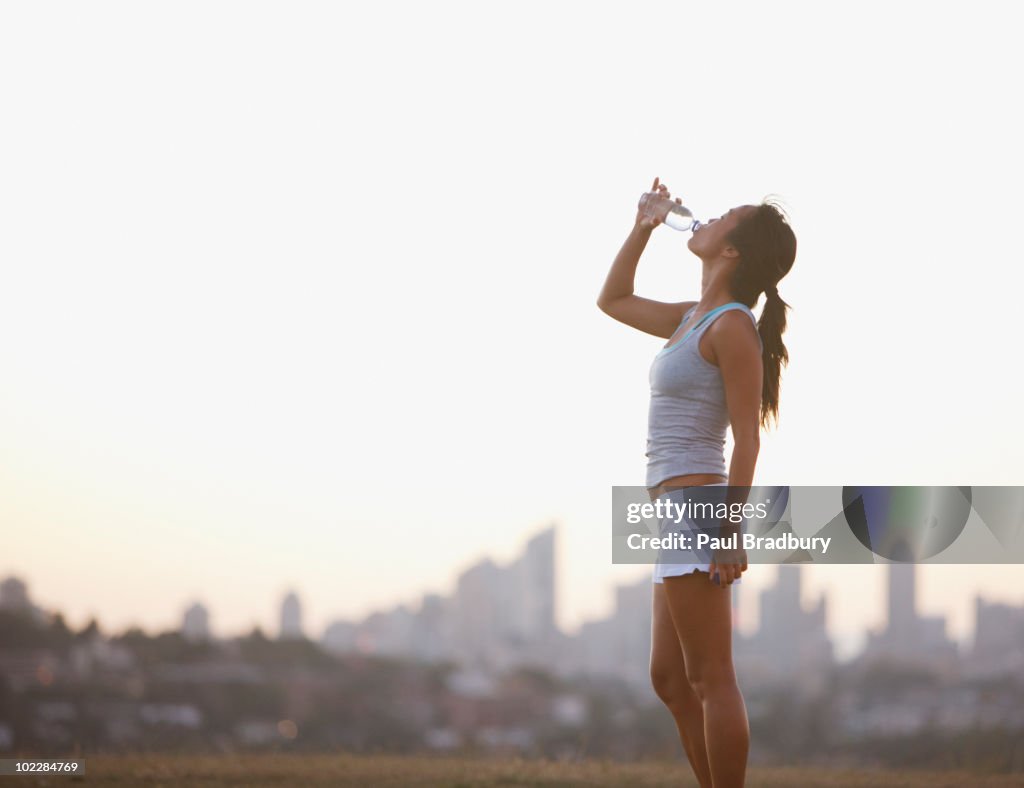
(303, 295)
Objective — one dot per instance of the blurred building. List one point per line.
(291, 617)
(340, 637)
(195, 624)
(14, 596)
(388, 632)
(620, 645)
(498, 616)
(907, 636)
(432, 628)
(998, 647)
(533, 579)
(505, 615)
(791, 642)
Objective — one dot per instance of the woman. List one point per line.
(719, 368)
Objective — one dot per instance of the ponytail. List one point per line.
(767, 247)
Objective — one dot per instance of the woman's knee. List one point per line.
(671, 686)
(705, 680)
(662, 681)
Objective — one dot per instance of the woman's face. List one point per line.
(710, 239)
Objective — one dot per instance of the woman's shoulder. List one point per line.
(734, 321)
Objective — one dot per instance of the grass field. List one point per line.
(370, 771)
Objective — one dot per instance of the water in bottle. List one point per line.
(676, 216)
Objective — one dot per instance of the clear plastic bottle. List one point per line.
(676, 216)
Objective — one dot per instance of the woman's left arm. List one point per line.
(738, 352)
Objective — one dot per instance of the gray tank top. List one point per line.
(688, 417)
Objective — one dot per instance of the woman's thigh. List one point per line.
(665, 648)
(701, 615)
(668, 667)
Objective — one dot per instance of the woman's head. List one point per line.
(759, 244)
(757, 239)
(765, 248)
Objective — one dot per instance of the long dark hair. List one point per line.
(767, 247)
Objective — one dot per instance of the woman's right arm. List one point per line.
(617, 299)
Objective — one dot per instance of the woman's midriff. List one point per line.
(688, 480)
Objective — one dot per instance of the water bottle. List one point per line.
(676, 216)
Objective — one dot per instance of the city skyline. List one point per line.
(903, 623)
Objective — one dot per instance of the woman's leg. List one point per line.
(702, 614)
(668, 676)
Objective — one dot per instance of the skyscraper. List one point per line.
(507, 613)
(790, 641)
(908, 635)
(903, 620)
(291, 617)
(535, 589)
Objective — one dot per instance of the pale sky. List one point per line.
(304, 295)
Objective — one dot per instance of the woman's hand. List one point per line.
(646, 222)
(728, 565)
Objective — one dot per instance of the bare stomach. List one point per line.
(687, 480)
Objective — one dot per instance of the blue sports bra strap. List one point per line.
(714, 311)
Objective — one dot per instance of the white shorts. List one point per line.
(702, 563)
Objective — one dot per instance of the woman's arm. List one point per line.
(619, 284)
(737, 349)
(617, 299)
